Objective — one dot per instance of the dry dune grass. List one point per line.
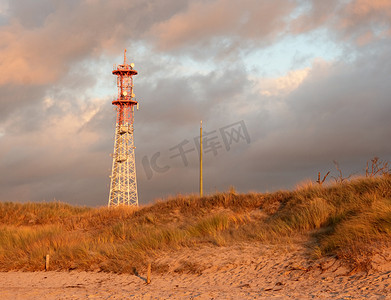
(349, 220)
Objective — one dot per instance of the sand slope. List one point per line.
(246, 271)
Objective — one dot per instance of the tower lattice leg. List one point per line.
(123, 188)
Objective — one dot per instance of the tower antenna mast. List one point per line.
(123, 185)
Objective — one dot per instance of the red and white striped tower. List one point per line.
(123, 186)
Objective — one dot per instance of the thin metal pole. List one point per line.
(201, 159)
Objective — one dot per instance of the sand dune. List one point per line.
(246, 271)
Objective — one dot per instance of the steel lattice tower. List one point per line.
(123, 186)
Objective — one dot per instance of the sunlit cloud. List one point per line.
(222, 19)
(282, 85)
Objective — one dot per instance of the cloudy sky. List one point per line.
(283, 87)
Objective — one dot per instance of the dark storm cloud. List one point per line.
(32, 13)
(340, 112)
(184, 101)
(14, 96)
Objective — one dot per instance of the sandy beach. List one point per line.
(244, 271)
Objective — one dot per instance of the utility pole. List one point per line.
(201, 159)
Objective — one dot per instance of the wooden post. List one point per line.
(149, 274)
(47, 262)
